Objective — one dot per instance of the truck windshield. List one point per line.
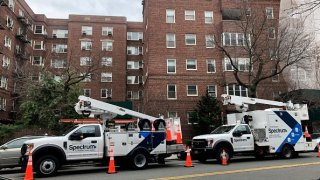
(222, 130)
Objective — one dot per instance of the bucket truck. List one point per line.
(259, 132)
(137, 144)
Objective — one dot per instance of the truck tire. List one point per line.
(47, 166)
(220, 153)
(287, 152)
(139, 160)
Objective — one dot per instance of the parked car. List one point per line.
(10, 152)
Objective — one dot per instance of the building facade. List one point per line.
(163, 64)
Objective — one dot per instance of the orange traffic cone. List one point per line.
(29, 170)
(112, 168)
(318, 150)
(307, 132)
(179, 138)
(168, 133)
(224, 158)
(188, 159)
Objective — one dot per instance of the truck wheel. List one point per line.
(139, 160)
(220, 154)
(47, 166)
(287, 152)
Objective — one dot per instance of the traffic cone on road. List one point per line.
(29, 170)
(168, 133)
(112, 168)
(224, 158)
(179, 138)
(188, 159)
(318, 150)
(307, 132)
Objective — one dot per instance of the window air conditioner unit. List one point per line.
(83, 48)
(54, 35)
(84, 33)
(109, 34)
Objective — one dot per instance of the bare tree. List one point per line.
(263, 46)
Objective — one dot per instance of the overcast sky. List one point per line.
(132, 9)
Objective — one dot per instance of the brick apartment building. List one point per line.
(163, 65)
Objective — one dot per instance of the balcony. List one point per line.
(22, 37)
(21, 54)
(4, 2)
(24, 20)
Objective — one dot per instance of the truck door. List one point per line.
(85, 143)
(243, 139)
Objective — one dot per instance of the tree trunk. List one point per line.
(252, 91)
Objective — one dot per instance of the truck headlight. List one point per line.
(210, 142)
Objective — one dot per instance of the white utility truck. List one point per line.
(136, 144)
(259, 132)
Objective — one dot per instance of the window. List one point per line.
(298, 74)
(134, 64)
(11, 4)
(7, 42)
(59, 33)
(271, 33)
(170, 16)
(59, 48)
(134, 50)
(171, 91)
(106, 77)
(243, 129)
(4, 82)
(189, 116)
(9, 22)
(190, 39)
(208, 17)
(107, 31)
(134, 94)
(106, 61)
(191, 64)
(57, 78)
(107, 45)
(86, 77)
(211, 66)
(274, 78)
(276, 95)
(171, 66)
(237, 90)
(209, 41)
(3, 103)
(134, 79)
(269, 12)
(172, 114)
(37, 61)
(85, 61)
(86, 45)
(192, 90)
(89, 131)
(35, 77)
(212, 89)
(86, 30)
(235, 39)
(39, 29)
(134, 36)
(171, 40)
(58, 63)
(106, 93)
(5, 61)
(87, 92)
(190, 15)
(243, 64)
(38, 45)
(273, 54)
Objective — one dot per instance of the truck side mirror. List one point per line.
(4, 147)
(237, 134)
(76, 136)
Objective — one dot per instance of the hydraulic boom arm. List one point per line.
(87, 105)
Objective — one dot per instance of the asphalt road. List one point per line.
(305, 167)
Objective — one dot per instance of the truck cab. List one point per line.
(81, 143)
(228, 138)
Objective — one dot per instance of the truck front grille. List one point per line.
(199, 143)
